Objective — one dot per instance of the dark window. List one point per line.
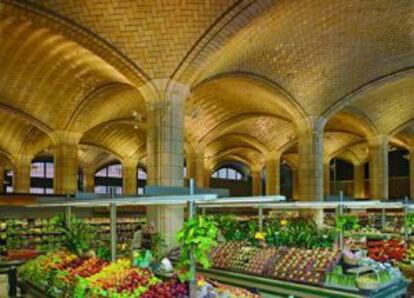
(228, 173)
(41, 176)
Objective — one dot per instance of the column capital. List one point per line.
(273, 156)
(130, 162)
(66, 137)
(314, 124)
(88, 169)
(358, 163)
(189, 149)
(22, 159)
(199, 150)
(378, 140)
(159, 91)
(256, 169)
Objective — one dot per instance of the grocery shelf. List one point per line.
(278, 288)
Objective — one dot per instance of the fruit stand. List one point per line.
(63, 272)
(269, 287)
(243, 264)
(282, 267)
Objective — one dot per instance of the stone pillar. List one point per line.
(359, 181)
(310, 163)
(378, 167)
(165, 146)
(412, 172)
(295, 184)
(326, 178)
(66, 162)
(2, 172)
(88, 179)
(273, 176)
(21, 174)
(200, 169)
(129, 176)
(190, 164)
(256, 182)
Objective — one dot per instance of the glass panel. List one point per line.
(141, 174)
(50, 170)
(9, 173)
(38, 190)
(101, 173)
(140, 190)
(185, 172)
(100, 189)
(231, 174)
(49, 191)
(9, 189)
(115, 171)
(118, 190)
(239, 176)
(215, 174)
(37, 169)
(222, 173)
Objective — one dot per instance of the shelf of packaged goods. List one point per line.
(278, 288)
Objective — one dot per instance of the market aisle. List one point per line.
(3, 286)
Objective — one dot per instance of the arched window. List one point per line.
(228, 173)
(142, 175)
(41, 176)
(108, 177)
(8, 181)
(142, 180)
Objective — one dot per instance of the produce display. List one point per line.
(224, 254)
(294, 264)
(169, 289)
(337, 278)
(386, 250)
(62, 274)
(308, 266)
(295, 232)
(244, 257)
(207, 288)
(42, 235)
(373, 278)
(293, 250)
(367, 233)
(407, 263)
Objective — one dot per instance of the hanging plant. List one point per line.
(198, 234)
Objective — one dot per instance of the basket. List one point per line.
(371, 286)
(350, 261)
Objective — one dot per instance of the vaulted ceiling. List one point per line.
(255, 69)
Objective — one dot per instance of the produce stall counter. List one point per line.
(10, 268)
(277, 288)
(30, 291)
